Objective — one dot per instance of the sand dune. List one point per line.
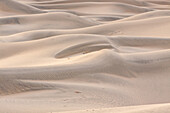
(92, 7)
(148, 15)
(132, 2)
(11, 7)
(37, 22)
(84, 56)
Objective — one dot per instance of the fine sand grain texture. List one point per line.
(84, 56)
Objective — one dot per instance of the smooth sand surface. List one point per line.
(84, 56)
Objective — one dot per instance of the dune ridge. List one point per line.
(84, 56)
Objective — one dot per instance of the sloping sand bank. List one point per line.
(84, 56)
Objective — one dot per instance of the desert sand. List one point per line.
(84, 56)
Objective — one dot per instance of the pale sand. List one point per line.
(84, 56)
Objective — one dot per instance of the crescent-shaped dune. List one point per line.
(84, 56)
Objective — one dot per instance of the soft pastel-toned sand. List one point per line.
(84, 56)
